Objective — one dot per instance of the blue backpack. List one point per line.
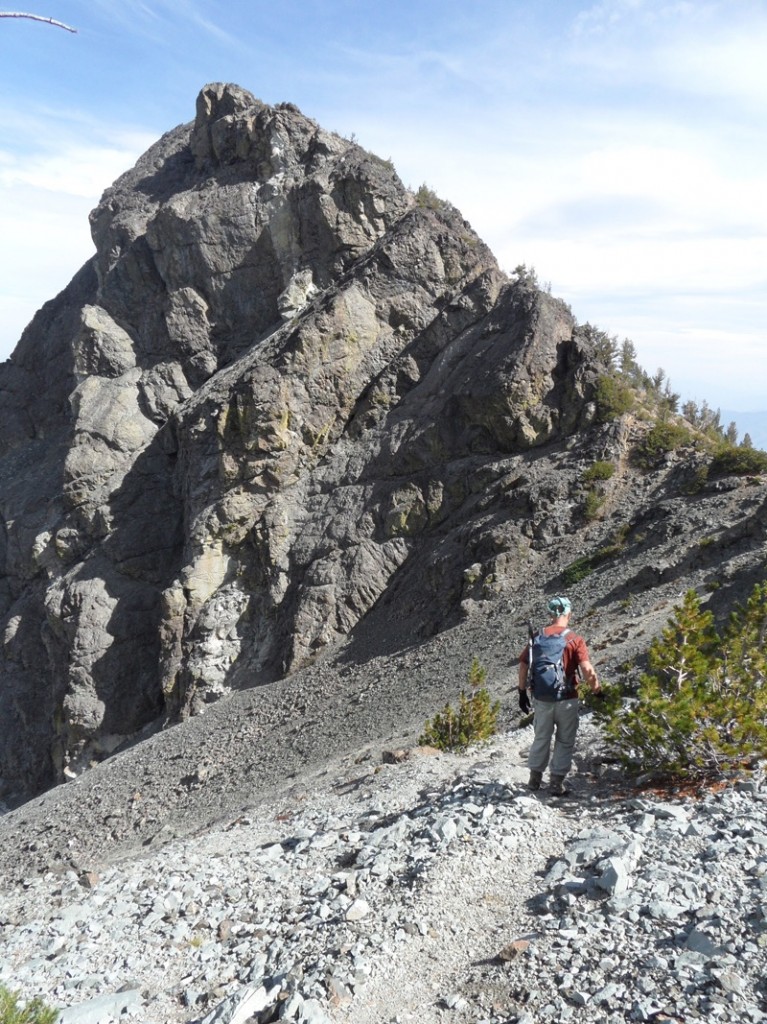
(547, 667)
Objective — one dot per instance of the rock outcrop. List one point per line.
(284, 394)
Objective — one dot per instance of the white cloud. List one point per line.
(711, 50)
(46, 239)
(730, 67)
(46, 194)
(75, 171)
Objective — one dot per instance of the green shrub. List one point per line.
(35, 1012)
(526, 276)
(428, 199)
(614, 397)
(738, 461)
(664, 437)
(586, 564)
(697, 481)
(701, 708)
(387, 165)
(601, 470)
(475, 719)
(579, 570)
(592, 504)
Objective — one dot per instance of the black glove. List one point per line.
(599, 695)
(524, 702)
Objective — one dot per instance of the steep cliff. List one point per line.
(285, 394)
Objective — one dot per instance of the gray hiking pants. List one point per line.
(560, 717)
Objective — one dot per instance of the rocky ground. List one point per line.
(433, 889)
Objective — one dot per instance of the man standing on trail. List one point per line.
(549, 667)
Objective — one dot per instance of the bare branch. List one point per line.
(37, 17)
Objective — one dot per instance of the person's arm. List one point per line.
(590, 675)
(524, 670)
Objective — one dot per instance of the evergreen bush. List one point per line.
(664, 437)
(600, 470)
(614, 397)
(701, 708)
(35, 1012)
(473, 721)
(578, 570)
(592, 504)
(738, 461)
(586, 564)
(427, 199)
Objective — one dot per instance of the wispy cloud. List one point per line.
(608, 16)
(731, 67)
(74, 170)
(711, 50)
(46, 238)
(49, 182)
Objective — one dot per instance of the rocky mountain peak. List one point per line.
(287, 405)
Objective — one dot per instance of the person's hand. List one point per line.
(599, 694)
(524, 702)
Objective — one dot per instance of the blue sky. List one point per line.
(616, 146)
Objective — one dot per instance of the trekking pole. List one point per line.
(524, 699)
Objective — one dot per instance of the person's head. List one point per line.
(559, 608)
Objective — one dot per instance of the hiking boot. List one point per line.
(557, 785)
(534, 782)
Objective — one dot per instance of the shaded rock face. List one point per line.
(280, 392)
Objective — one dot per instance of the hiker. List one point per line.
(557, 655)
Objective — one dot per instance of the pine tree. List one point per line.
(628, 357)
(701, 708)
(36, 1012)
(474, 721)
(742, 677)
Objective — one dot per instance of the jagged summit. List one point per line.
(287, 401)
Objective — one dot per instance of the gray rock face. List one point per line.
(239, 422)
(284, 399)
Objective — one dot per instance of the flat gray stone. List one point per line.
(98, 1009)
(699, 942)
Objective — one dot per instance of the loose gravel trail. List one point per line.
(395, 886)
(441, 852)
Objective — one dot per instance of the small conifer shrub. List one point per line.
(474, 720)
(592, 504)
(738, 461)
(578, 570)
(427, 199)
(701, 708)
(35, 1012)
(614, 397)
(662, 438)
(600, 470)
(586, 564)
